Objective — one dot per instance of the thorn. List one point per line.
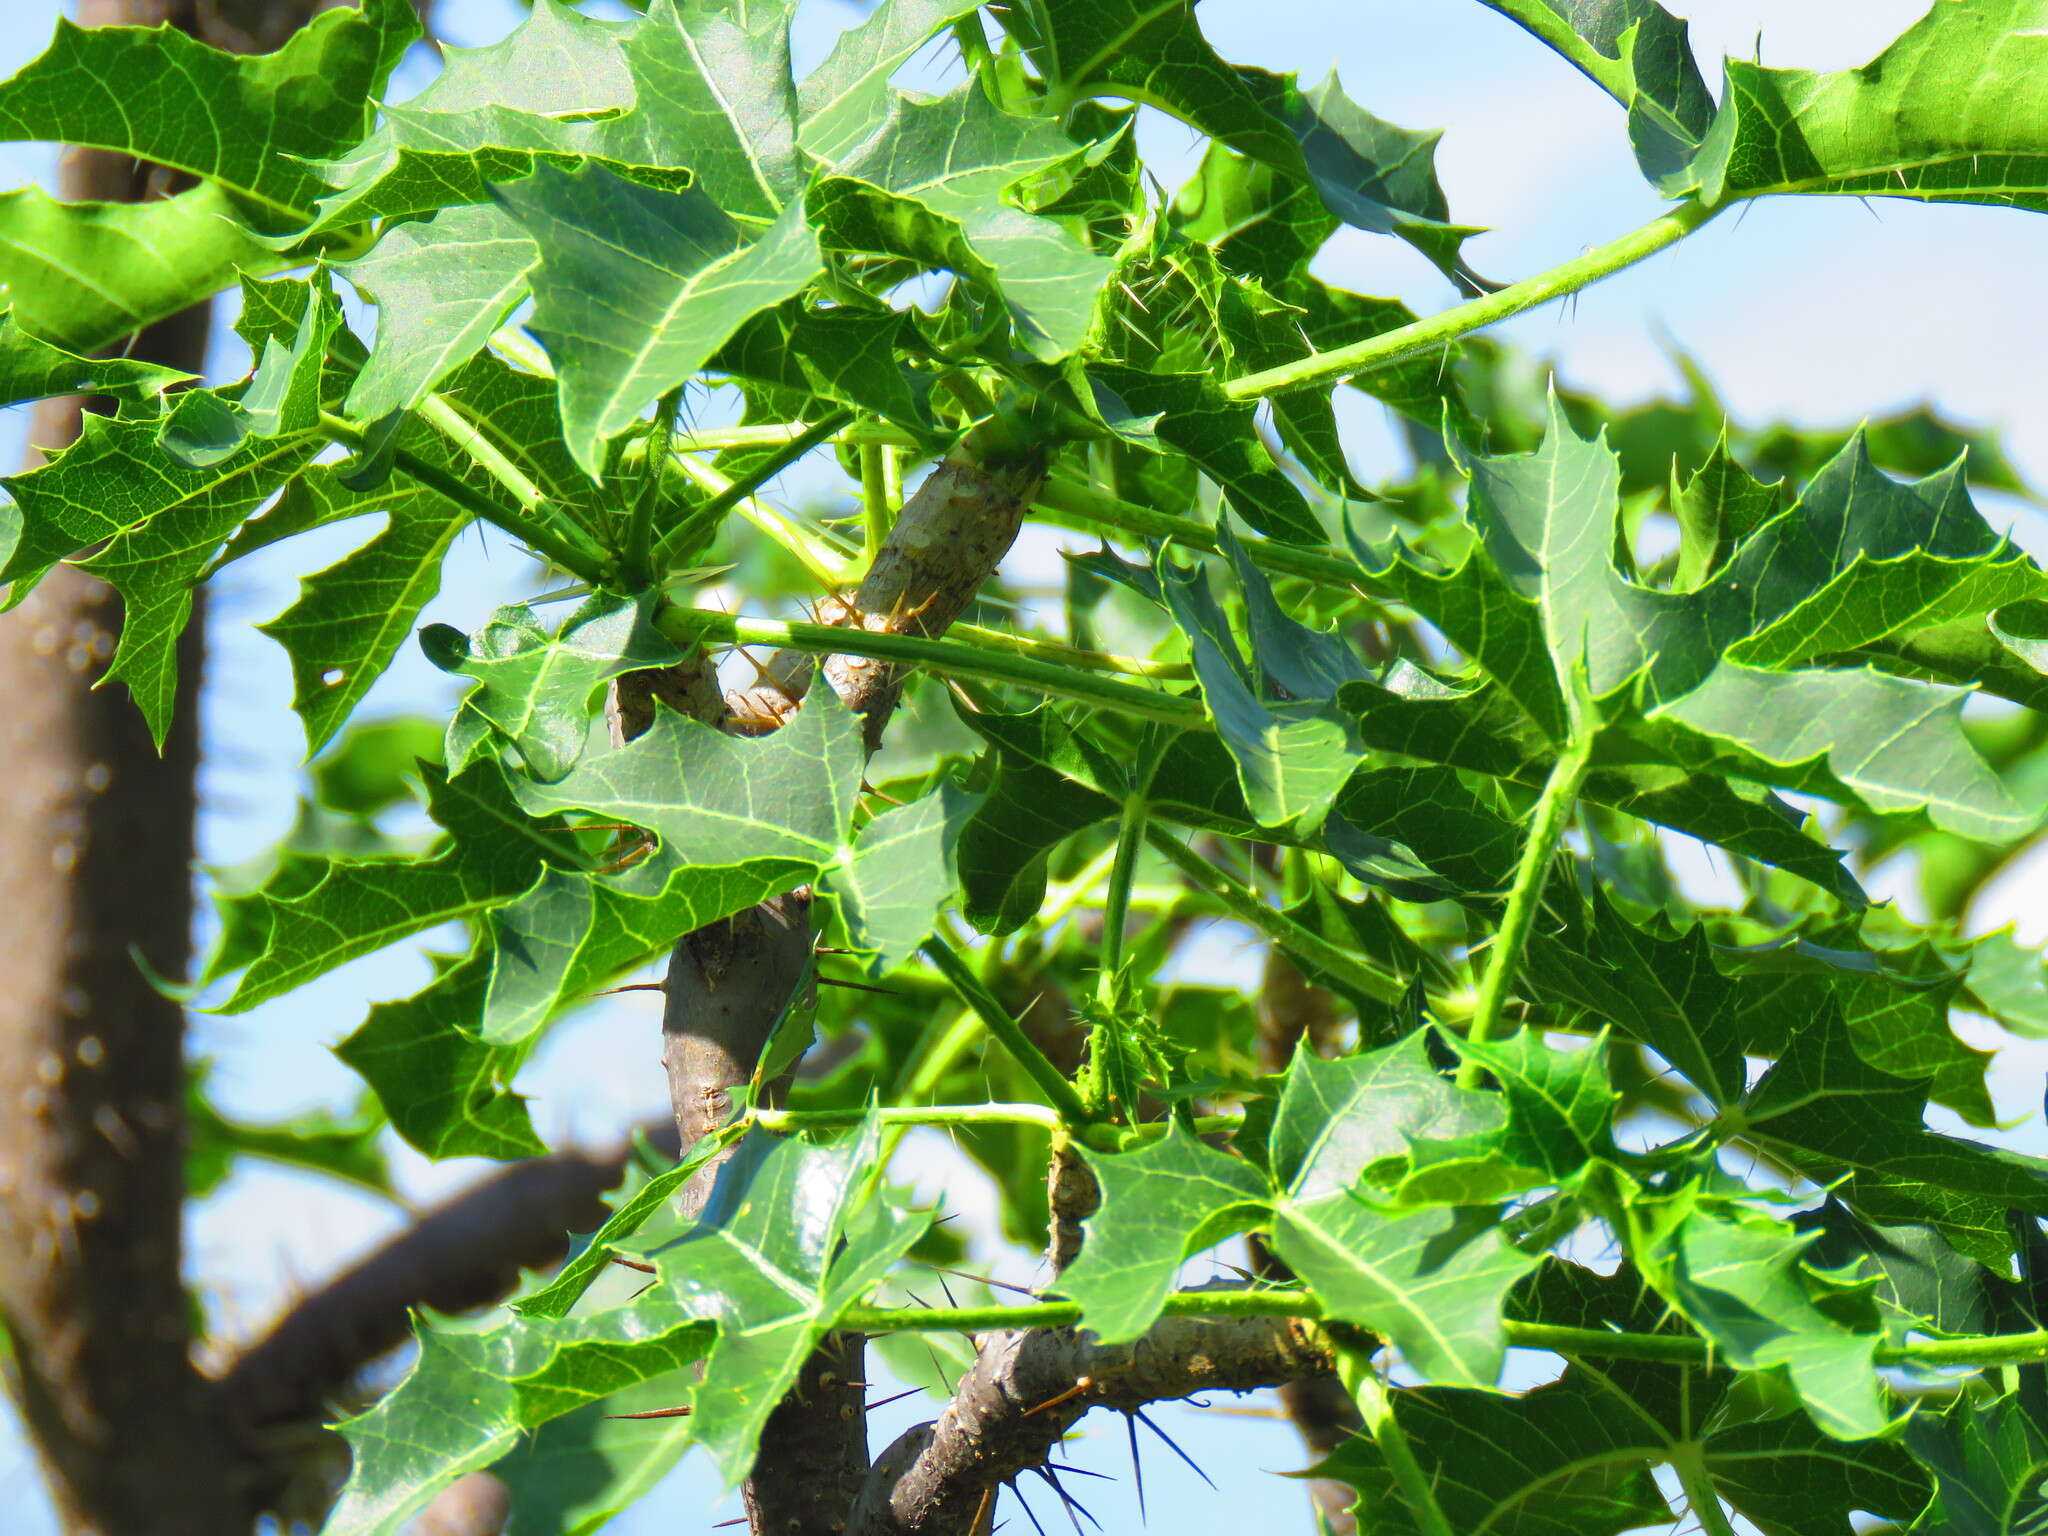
(1029, 1513)
(1001, 1285)
(1068, 1502)
(654, 1413)
(625, 1263)
(886, 1401)
(869, 789)
(1067, 1396)
(858, 986)
(1137, 1467)
(762, 674)
(982, 1510)
(1171, 1444)
(631, 986)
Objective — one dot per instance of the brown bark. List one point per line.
(95, 852)
(729, 983)
(1021, 1398)
(96, 846)
(463, 1254)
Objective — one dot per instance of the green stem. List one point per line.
(697, 626)
(915, 1114)
(773, 434)
(1375, 1406)
(1689, 1461)
(1354, 970)
(1051, 1081)
(1068, 504)
(1504, 958)
(1067, 655)
(743, 488)
(1592, 1343)
(442, 415)
(573, 557)
(877, 512)
(640, 522)
(1441, 329)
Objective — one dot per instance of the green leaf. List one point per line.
(1565, 1460)
(739, 821)
(1950, 112)
(933, 183)
(725, 800)
(1431, 1282)
(471, 1396)
(441, 287)
(1559, 1107)
(84, 275)
(1338, 1118)
(1292, 758)
(1859, 558)
(1846, 1123)
(1859, 736)
(589, 1260)
(839, 101)
(1161, 1205)
(898, 873)
(487, 116)
(1481, 731)
(1739, 1280)
(442, 1087)
(317, 1141)
(570, 1476)
(766, 1262)
(247, 123)
(1987, 1460)
(636, 289)
(1373, 175)
(325, 912)
(535, 689)
(1639, 53)
(351, 618)
(1149, 51)
(160, 523)
(33, 369)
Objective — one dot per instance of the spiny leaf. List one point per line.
(471, 1396)
(930, 183)
(786, 1242)
(839, 101)
(34, 369)
(739, 821)
(441, 286)
(248, 124)
(899, 871)
(1950, 112)
(160, 523)
(535, 689)
(84, 275)
(443, 1089)
(325, 912)
(1639, 53)
(1150, 51)
(636, 289)
(1161, 1205)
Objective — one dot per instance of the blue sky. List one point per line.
(1820, 311)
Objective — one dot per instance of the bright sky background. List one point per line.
(1820, 311)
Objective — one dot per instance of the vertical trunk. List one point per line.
(96, 846)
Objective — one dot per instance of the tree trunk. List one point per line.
(96, 847)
